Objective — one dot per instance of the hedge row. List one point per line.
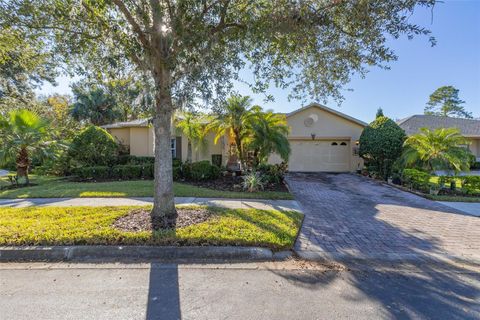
(420, 180)
(196, 171)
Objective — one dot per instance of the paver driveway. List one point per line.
(348, 216)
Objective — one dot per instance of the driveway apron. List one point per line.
(351, 217)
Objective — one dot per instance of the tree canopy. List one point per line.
(445, 102)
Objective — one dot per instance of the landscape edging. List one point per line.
(138, 253)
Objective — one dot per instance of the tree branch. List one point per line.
(133, 23)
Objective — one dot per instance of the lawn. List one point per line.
(93, 225)
(53, 187)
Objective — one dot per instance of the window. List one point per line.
(173, 147)
(334, 144)
(343, 144)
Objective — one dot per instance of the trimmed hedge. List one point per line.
(199, 171)
(471, 184)
(196, 171)
(416, 179)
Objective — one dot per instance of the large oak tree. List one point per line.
(193, 49)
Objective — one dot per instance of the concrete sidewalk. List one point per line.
(101, 202)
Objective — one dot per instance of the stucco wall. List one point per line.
(122, 135)
(475, 147)
(211, 148)
(140, 144)
(325, 126)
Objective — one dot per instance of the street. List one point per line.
(282, 290)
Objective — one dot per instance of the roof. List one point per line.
(412, 124)
(335, 112)
(128, 124)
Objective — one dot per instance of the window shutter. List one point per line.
(178, 148)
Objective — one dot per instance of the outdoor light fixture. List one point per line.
(313, 136)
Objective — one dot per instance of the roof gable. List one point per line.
(332, 111)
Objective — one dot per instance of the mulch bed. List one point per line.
(140, 219)
(231, 183)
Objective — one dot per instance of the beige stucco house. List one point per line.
(321, 139)
(469, 128)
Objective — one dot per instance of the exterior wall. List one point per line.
(325, 126)
(122, 135)
(140, 143)
(475, 147)
(211, 149)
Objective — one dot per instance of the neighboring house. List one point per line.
(469, 128)
(321, 139)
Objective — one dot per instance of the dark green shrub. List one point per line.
(217, 160)
(127, 172)
(201, 170)
(475, 166)
(471, 184)
(141, 160)
(97, 172)
(381, 144)
(416, 179)
(148, 171)
(94, 146)
(272, 173)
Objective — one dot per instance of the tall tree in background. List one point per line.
(193, 49)
(24, 65)
(93, 105)
(445, 102)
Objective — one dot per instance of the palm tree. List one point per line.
(268, 135)
(22, 133)
(234, 120)
(193, 127)
(439, 149)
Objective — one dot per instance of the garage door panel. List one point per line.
(312, 156)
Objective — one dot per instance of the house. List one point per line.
(469, 128)
(321, 139)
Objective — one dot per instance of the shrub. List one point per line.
(471, 184)
(272, 173)
(94, 146)
(148, 171)
(475, 165)
(201, 170)
(97, 172)
(253, 181)
(416, 179)
(127, 172)
(381, 143)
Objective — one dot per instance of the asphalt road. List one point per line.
(293, 290)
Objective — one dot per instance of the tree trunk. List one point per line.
(189, 151)
(23, 164)
(164, 213)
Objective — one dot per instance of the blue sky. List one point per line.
(404, 89)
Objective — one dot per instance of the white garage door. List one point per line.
(312, 156)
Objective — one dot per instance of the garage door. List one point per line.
(312, 156)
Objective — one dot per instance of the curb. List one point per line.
(138, 253)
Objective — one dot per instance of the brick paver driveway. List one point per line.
(348, 216)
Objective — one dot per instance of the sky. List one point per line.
(420, 69)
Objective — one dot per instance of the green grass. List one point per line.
(93, 225)
(53, 187)
(452, 198)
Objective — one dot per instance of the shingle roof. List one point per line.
(412, 124)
